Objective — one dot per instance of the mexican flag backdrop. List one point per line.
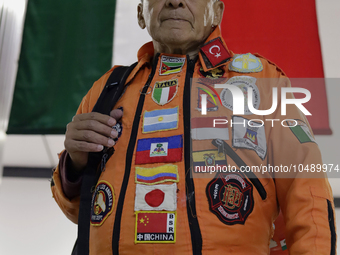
(67, 45)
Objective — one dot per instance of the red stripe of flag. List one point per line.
(174, 155)
(152, 223)
(157, 179)
(208, 122)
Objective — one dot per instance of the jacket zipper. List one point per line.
(196, 237)
(128, 161)
(223, 147)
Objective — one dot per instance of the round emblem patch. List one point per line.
(246, 63)
(230, 197)
(243, 83)
(102, 203)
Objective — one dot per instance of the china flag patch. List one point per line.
(155, 227)
(159, 150)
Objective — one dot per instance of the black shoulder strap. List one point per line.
(106, 101)
(113, 89)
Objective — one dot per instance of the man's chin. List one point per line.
(177, 37)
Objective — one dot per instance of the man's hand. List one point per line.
(90, 132)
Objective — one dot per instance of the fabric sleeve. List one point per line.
(304, 193)
(70, 179)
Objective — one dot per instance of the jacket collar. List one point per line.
(212, 54)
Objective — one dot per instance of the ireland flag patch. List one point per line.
(301, 131)
(170, 65)
(164, 91)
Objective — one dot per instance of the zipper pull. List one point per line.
(144, 90)
(104, 160)
(220, 145)
(107, 153)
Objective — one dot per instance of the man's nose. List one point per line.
(175, 3)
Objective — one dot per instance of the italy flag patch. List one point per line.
(164, 91)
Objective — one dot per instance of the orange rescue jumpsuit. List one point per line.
(150, 200)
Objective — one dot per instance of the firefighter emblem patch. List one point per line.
(230, 197)
(102, 203)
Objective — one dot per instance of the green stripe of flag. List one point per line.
(67, 45)
(171, 64)
(157, 94)
(301, 134)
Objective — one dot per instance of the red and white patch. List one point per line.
(215, 52)
(203, 128)
(156, 197)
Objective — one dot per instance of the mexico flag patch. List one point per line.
(155, 227)
(164, 91)
(301, 131)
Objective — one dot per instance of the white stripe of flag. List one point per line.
(159, 120)
(203, 128)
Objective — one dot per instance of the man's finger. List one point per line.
(92, 137)
(103, 118)
(116, 114)
(92, 125)
(81, 146)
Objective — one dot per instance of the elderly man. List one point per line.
(154, 195)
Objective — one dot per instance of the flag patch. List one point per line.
(159, 150)
(301, 131)
(283, 244)
(150, 176)
(246, 63)
(156, 197)
(170, 65)
(249, 135)
(155, 227)
(214, 53)
(202, 128)
(164, 91)
(160, 120)
(202, 160)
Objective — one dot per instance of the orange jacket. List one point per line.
(150, 200)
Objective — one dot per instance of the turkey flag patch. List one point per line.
(214, 53)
